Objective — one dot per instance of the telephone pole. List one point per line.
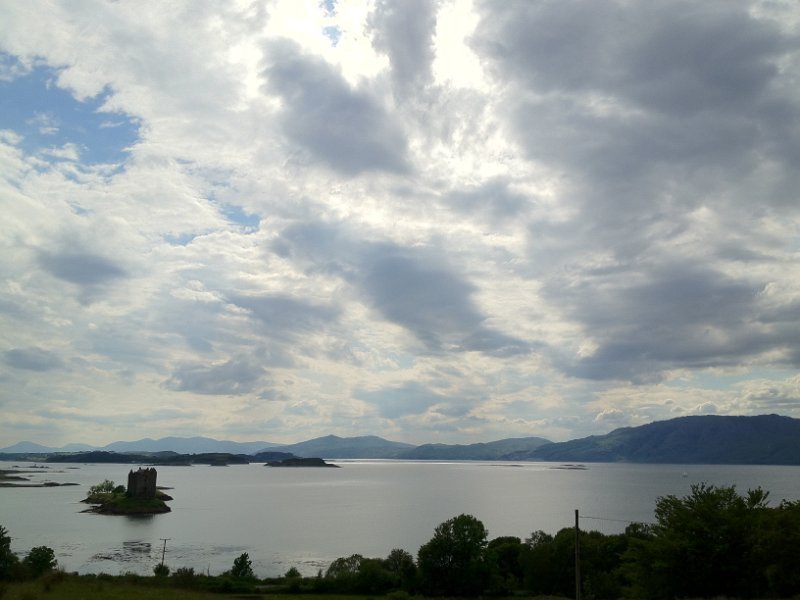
(164, 550)
(577, 557)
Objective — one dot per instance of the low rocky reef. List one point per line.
(17, 478)
(300, 462)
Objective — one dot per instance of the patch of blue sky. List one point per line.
(329, 6)
(49, 119)
(724, 381)
(334, 34)
(236, 214)
(181, 239)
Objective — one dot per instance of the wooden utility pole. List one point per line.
(577, 557)
(164, 550)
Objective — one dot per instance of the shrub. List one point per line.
(292, 573)
(243, 567)
(161, 570)
(185, 577)
(40, 560)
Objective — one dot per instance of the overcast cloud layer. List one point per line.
(449, 221)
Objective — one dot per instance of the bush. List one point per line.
(243, 567)
(161, 570)
(40, 560)
(185, 577)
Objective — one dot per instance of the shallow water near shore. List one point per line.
(306, 517)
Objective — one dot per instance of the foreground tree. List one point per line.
(8, 560)
(243, 567)
(453, 562)
(402, 568)
(701, 546)
(40, 560)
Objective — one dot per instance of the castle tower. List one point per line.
(142, 483)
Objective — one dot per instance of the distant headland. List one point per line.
(300, 462)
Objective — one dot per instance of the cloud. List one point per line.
(33, 359)
(346, 129)
(405, 32)
(409, 398)
(410, 288)
(285, 318)
(466, 219)
(83, 269)
(233, 377)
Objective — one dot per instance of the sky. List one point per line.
(443, 221)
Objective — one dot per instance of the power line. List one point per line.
(616, 520)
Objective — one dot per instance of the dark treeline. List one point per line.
(713, 542)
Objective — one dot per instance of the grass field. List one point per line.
(79, 588)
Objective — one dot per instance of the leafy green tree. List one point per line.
(776, 551)
(292, 573)
(373, 578)
(503, 556)
(40, 560)
(106, 487)
(342, 572)
(453, 562)
(402, 567)
(701, 545)
(243, 567)
(344, 567)
(8, 560)
(548, 563)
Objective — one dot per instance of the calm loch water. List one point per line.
(306, 517)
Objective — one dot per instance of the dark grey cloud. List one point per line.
(410, 398)
(404, 31)
(677, 57)
(346, 129)
(492, 200)
(33, 359)
(284, 318)
(674, 316)
(234, 377)
(644, 103)
(648, 112)
(413, 288)
(432, 301)
(81, 268)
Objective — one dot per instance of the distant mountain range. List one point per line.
(181, 445)
(765, 439)
(711, 439)
(332, 446)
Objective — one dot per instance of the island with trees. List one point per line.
(142, 497)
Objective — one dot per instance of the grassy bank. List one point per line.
(70, 587)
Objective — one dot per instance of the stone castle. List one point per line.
(142, 483)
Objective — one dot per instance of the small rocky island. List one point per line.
(142, 497)
(300, 462)
(16, 478)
